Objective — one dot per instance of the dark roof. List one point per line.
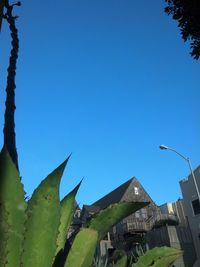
(113, 197)
(91, 208)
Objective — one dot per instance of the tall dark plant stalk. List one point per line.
(2, 3)
(9, 126)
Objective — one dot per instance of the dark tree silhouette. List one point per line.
(187, 13)
(9, 126)
(2, 3)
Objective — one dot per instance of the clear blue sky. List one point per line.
(109, 81)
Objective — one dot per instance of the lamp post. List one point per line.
(163, 147)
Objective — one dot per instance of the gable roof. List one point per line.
(125, 193)
(114, 196)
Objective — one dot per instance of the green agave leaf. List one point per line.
(117, 256)
(158, 257)
(12, 212)
(166, 261)
(83, 249)
(43, 221)
(122, 262)
(120, 258)
(110, 216)
(67, 211)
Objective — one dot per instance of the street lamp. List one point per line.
(163, 147)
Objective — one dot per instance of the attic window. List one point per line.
(136, 190)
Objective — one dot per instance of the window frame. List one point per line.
(193, 211)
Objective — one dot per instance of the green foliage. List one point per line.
(110, 216)
(122, 262)
(67, 211)
(83, 249)
(100, 261)
(158, 257)
(120, 258)
(43, 221)
(161, 223)
(166, 261)
(12, 212)
(34, 233)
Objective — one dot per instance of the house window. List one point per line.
(136, 190)
(196, 206)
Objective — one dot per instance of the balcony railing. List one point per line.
(147, 225)
(162, 217)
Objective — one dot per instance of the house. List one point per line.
(151, 226)
(130, 233)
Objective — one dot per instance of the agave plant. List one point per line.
(34, 233)
(158, 257)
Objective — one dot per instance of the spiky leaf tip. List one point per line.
(67, 212)
(43, 221)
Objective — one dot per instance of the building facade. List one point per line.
(131, 231)
(175, 210)
(174, 232)
(192, 207)
(150, 226)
